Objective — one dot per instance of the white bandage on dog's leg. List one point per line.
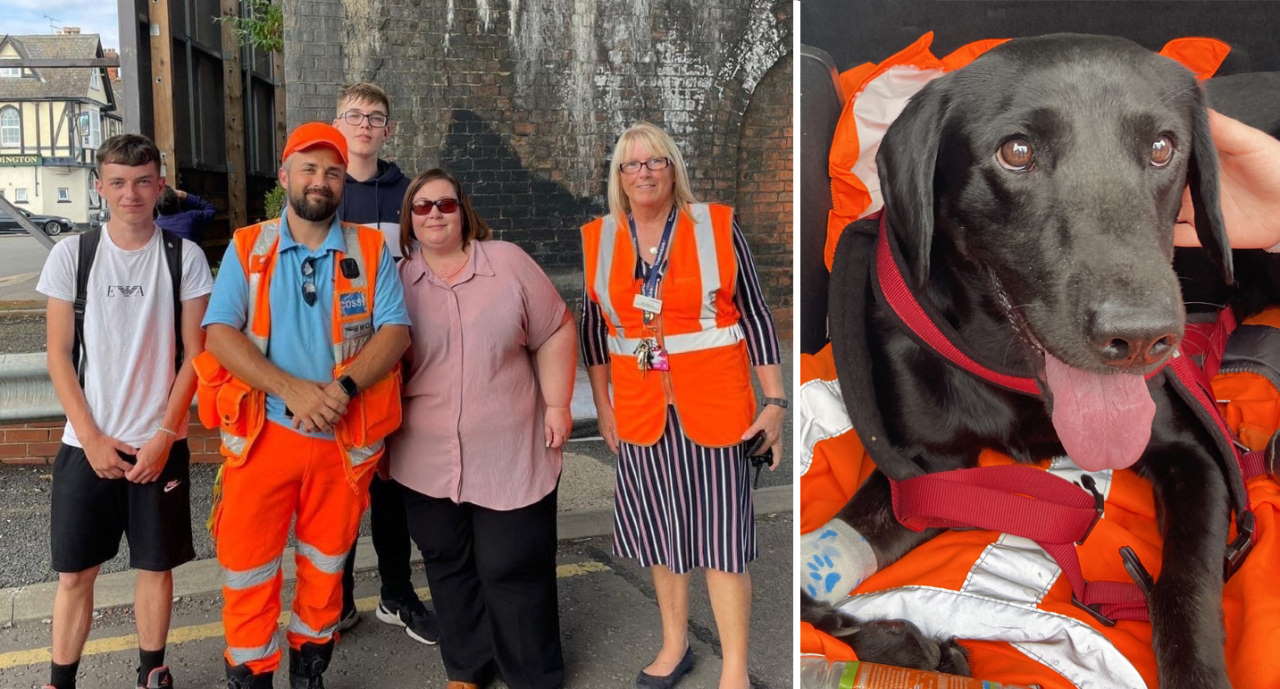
(834, 559)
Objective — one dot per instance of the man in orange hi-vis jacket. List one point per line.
(302, 424)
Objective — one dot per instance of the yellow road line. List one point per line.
(199, 632)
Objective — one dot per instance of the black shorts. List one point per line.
(90, 513)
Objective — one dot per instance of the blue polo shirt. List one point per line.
(301, 335)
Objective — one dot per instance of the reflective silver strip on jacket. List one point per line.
(685, 342)
(999, 602)
(352, 341)
(708, 271)
(266, 240)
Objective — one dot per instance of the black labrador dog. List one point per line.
(1032, 195)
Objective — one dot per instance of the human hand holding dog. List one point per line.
(1249, 181)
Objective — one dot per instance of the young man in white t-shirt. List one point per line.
(123, 464)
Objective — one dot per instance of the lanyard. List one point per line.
(653, 273)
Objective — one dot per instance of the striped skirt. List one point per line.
(682, 505)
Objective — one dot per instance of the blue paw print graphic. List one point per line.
(822, 577)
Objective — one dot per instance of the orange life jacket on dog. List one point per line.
(709, 382)
(1004, 598)
(238, 410)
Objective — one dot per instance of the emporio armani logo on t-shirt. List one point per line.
(125, 291)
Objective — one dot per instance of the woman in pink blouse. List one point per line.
(488, 385)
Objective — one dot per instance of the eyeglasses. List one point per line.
(309, 280)
(633, 166)
(423, 206)
(355, 117)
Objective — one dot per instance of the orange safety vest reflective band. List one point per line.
(239, 410)
(878, 92)
(709, 381)
(1004, 598)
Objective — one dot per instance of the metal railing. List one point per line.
(26, 393)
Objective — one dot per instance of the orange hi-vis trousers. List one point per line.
(286, 473)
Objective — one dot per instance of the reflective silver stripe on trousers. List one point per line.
(297, 626)
(604, 266)
(685, 342)
(360, 455)
(241, 655)
(240, 579)
(998, 602)
(708, 262)
(329, 564)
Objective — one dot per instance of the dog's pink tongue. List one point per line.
(1103, 420)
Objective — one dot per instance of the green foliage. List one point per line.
(262, 27)
(273, 204)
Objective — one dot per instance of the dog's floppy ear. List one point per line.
(906, 161)
(1202, 176)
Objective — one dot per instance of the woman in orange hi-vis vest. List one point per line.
(674, 321)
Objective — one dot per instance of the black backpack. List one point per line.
(89, 250)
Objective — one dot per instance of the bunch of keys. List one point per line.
(651, 356)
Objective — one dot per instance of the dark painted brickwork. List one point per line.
(523, 99)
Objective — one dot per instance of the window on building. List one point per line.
(10, 127)
(90, 126)
(95, 80)
(64, 194)
(10, 72)
(20, 195)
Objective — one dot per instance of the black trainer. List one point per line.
(417, 619)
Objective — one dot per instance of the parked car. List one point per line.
(52, 225)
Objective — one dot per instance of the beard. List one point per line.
(314, 210)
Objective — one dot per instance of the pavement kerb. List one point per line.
(35, 601)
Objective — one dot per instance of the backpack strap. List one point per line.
(84, 263)
(88, 249)
(173, 257)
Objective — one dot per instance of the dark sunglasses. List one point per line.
(423, 206)
(309, 280)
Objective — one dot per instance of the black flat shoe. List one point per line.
(647, 681)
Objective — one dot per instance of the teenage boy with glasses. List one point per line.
(371, 195)
(122, 467)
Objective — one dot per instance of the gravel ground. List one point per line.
(21, 332)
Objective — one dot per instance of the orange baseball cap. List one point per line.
(312, 134)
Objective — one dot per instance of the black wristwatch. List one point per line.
(775, 401)
(348, 386)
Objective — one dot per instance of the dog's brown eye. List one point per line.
(1161, 151)
(1015, 154)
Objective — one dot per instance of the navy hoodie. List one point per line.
(376, 202)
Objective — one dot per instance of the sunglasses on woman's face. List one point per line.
(423, 206)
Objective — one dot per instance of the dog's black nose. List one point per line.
(1131, 338)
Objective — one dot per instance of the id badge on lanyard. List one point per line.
(649, 353)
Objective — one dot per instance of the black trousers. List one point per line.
(493, 581)
(390, 530)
